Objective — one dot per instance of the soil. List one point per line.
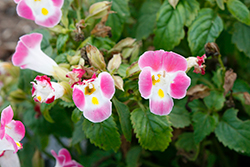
(11, 28)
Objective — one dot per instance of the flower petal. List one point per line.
(145, 82)
(58, 3)
(29, 55)
(12, 142)
(98, 113)
(59, 159)
(6, 116)
(16, 130)
(161, 106)
(50, 21)
(153, 59)
(65, 153)
(173, 62)
(9, 159)
(107, 84)
(23, 10)
(179, 86)
(78, 97)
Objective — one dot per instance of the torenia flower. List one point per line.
(29, 55)
(8, 159)
(11, 131)
(162, 78)
(46, 13)
(93, 97)
(197, 63)
(63, 159)
(45, 91)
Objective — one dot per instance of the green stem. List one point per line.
(221, 63)
(141, 106)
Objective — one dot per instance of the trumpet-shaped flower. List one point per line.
(8, 159)
(11, 131)
(46, 13)
(93, 97)
(29, 55)
(162, 78)
(45, 91)
(63, 159)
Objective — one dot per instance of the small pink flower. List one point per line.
(197, 63)
(93, 97)
(29, 55)
(45, 91)
(63, 159)
(8, 159)
(75, 76)
(46, 13)
(162, 78)
(11, 131)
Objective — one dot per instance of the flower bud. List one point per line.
(115, 62)
(118, 82)
(99, 9)
(125, 43)
(95, 57)
(173, 3)
(133, 69)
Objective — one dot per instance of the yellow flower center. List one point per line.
(95, 101)
(155, 81)
(45, 11)
(39, 98)
(89, 91)
(18, 144)
(161, 93)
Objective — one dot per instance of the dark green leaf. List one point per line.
(179, 116)
(61, 42)
(233, 132)
(104, 134)
(197, 105)
(239, 11)
(78, 134)
(240, 37)
(206, 28)
(218, 78)
(133, 156)
(153, 131)
(191, 8)
(124, 118)
(147, 19)
(220, 3)
(204, 124)
(215, 101)
(45, 111)
(241, 86)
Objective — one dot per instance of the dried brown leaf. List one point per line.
(198, 91)
(229, 79)
(247, 98)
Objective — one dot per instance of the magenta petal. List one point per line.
(65, 153)
(23, 10)
(20, 54)
(145, 82)
(13, 143)
(179, 86)
(58, 3)
(15, 130)
(153, 59)
(78, 98)
(52, 20)
(161, 107)
(173, 62)
(59, 159)
(99, 113)
(7, 115)
(107, 85)
(32, 40)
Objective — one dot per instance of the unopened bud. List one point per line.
(173, 3)
(99, 9)
(67, 96)
(60, 73)
(115, 62)
(118, 82)
(75, 60)
(95, 57)
(133, 69)
(125, 43)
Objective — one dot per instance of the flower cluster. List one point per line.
(197, 63)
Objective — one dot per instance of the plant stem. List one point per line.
(221, 63)
(141, 106)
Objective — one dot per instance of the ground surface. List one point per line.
(11, 28)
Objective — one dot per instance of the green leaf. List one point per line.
(204, 124)
(239, 38)
(191, 8)
(78, 134)
(179, 116)
(65, 10)
(239, 10)
(215, 101)
(241, 86)
(124, 118)
(104, 135)
(147, 19)
(117, 20)
(218, 79)
(24, 81)
(205, 28)
(220, 3)
(197, 105)
(45, 111)
(133, 156)
(61, 42)
(153, 131)
(233, 132)
(76, 115)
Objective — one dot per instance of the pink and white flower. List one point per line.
(93, 97)
(197, 63)
(162, 78)
(63, 159)
(46, 13)
(8, 159)
(75, 76)
(29, 55)
(11, 131)
(45, 91)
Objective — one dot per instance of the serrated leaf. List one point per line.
(45, 111)
(241, 31)
(153, 131)
(76, 115)
(239, 10)
(147, 19)
(204, 124)
(197, 105)
(220, 3)
(233, 132)
(205, 28)
(124, 118)
(132, 156)
(215, 101)
(116, 20)
(67, 104)
(78, 134)
(104, 135)
(179, 116)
